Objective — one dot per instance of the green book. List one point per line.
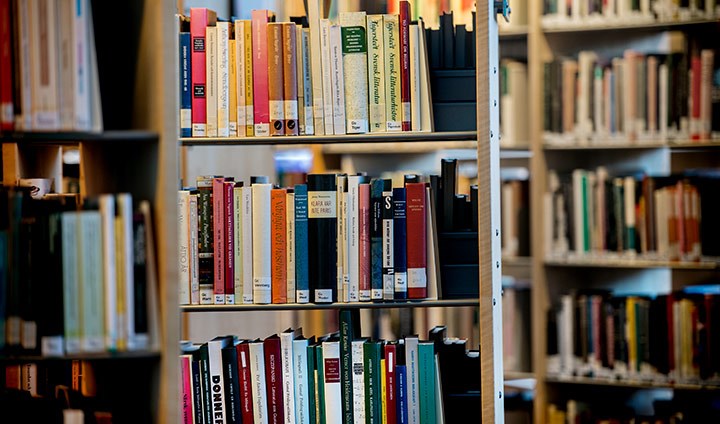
(311, 374)
(319, 366)
(586, 213)
(373, 407)
(426, 357)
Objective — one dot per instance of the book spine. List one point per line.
(217, 384)
(301, 244)
(308, 109)
(322, 221)
(390, 384)
(275, 78)
(247, 244)
(413, 389)
(206, 388)
(426, 381)
(186, 391)
(288, 377)
(222, 81)
(320, 384)
(315, 13)
(71, 285)
(91, 294)
(404, 27)
(347, 334)
(259, 385)
(24, 120)
(273, 378)
(262, 245)
(372, 382)
(290, 79)
(185, 86)
(353, 244)
(327, 92)
(299, 79)
(279, 245)
(229, 240)
(249, 80)
(211, 70)
(124, 233)
(197, 397)
(416, 77)
(388, 254)
(401, 396)
(337, 82)
(6, 63)
(399, 243)
(260, 73)
(707, 57)
(219, 216)
(312, 386)
(245, 386)
(416, 241)
(240, 80)
(364, 242)
(629, 191)
(232, 385)
(232, 84)
(290, 240)
(45, 108)
(107, 212)
(199, 20)
(183, 246)
(342, 282)
(376, 73)
(358, 381)
(301, 381)
(383, 392)
(331, 376)
(238, 259)
(376, 238)
(355, 66)
(391, 46)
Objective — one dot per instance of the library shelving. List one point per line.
(442, 303)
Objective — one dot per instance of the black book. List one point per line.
(474, 207)
(197, 390)
(203, 358)
(140, 234)
(460, 46)
(447, 30)
(231, 380)
(436, 199)
(448, 177)
(461, 213)
(547, 96)
(435, 48)
(659, 330)
(322, 236)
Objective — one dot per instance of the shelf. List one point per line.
(55, 138)
(512, 32)
(630, 384)
(517, 261)
(637, 145)
(623, 263)
(445, 303)
(397, 147)
(399, 137)
(101, 356)
(518, 375)
(601, 25)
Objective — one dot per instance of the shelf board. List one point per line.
(609, 25)
(399, 137)
(397, 147)
(55, 138)
(445, 303)
(101, 356)
(518, 375)
(614, 145)
(513, 32)
(517, 261)
(623, 263)
(631, 384)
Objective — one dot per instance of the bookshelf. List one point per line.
(443, 303)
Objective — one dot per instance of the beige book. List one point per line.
(391, 33)
(355, 67)
(376, 73)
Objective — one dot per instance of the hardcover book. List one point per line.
(388, 254)
(391, 47)
(223, 79)
(185, 85)
(275, 78)
(290, 78)
(279, 245)
(322, 228)
(416, 240)
(205, 240)
(302, 282)
(399, 243)
(261, 105)
(219, 217)
(376, 73)
(211, 70)
(404, 27)
(262, 243)
(354, 57)
(200, 19)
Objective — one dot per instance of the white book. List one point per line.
(92, 337)
(194, 258)
(25, 57)
(223, 78)
(315, 13)
(354, 58)
(247, 245)
(44, 47)
(107, 213)
(337, 82)
(663, 100)
(353, 244)
(391, 46)
(413, 379)
(598, 109)
(71, 282)
(586, 60)
(81, 79)
(66, 64)
(257, 377)
(237, 242)
(433, 281)
(426, 113)
(288, 380)
(358, 381)
(184, 246)
(575, 10)
(307, 82)
(333, 398)
(240, 81)
(327, 92)
(290, 240)
(565, 335)
(341, 187)
(414, 41)
(217, 383)
(211, 88)
(124, 235)
(301, 375)
(262, 277)
(578, 208)
(376, 73)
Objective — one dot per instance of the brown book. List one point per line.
(290, 94)
(275, 78)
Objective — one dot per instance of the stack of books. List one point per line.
(48, 67)
(361, 73)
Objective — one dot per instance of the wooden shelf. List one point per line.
(517, 261)
(513, 32)
(55, 138)
(623, 263)
(601, 25)
(101, 356)
(630, 384)
(399, 137)
(636, 145)
(445, 303)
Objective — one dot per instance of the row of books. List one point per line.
(631, 98)
(363, 73)
(516, 326)
(663, 412)
(515, 220)
(663, 218)
(75, 281)
(514, 103)
(337, 238)
(48, 67)
(670, 338)
(451, 46)
(557, 13)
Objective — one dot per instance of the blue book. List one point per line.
(185, 86)
(302, 282)
(388, 261)
(426, 380)
(376, 215)
(400, 242)
(401, 385)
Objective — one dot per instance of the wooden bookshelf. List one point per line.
(627, 383)
(140, 355)
(399, 137)
(635, 145)
(444, 303)
(629, 263)
(602, 25)
(61, 138)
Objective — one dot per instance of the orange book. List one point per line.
(275, 78)
(278, 234)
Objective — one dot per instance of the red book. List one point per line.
(229, 245)
(6, 66)
(405, 64)
(200, 18)
(261, 103)
(695, 83)
(218, 199)
(245, 385)
(390, 383)
(273, 380)
(365, 280)
(416, 241)
(278, 234)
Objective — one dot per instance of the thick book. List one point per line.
(231, 381)
(200, 19)
(262, 243)
(290, 245)
(372, 372)
(222, 79)
(229, 239)
(349, 330)
(337, 81)
(89, 251)
(388, 254)
(278, 234)
(302, 282)
(376, 73)
(290, 78)
(331, 381)
(211, 70)
(377, 186)
(322, 229)
(327, 90)
(358, 380)
(217, 382)
(206, 246)
(393, 100)
(259, 385)
(237, 239)
(261, 105)
(183, 244)
(185, 85)
(353, 238)
(245, 387)
(247, 244)
(411, 358)
(301, 379)
(249, 81)
(315, 13)
(404, 30)
(400, 243)
(364, 243)
(354, 57)
(426, 381)
(219, 215)
(287, 360)
(416, 240)
(275, 78)
(390, 350)
(274, 380)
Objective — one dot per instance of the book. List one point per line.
(126, 277)
(417, 230)
(388, 257)
(217, 382)
(206, 246)
(353, 238)
(278, 250)
(358, 380)
(372, 372)
(6, 62)
(249, 80)
(287, 359)
(305, 79)
(325, 66)
(415, 76)
(212, 85)
(315, 13)
(245, 386)
(219, 240)
(301, 379)
(364, 242)
(247, 244)
(185, 389)
(391, 48)
(349, 330)
(231, 382)
(290, 245)
(376, 73)
(302, 282)
(200, 19)
(223, 78)
(237, 240)
(390, 383)
(355, 66)
(259, 385)
(426, 381)
(185, 85)
(260, 64)
(376, 237)
(183, 244)
(322, 221)
(341, 241)
(337, 82)
(404, 41)
(401, 397)
(273, 379)
(312, 382)
(400, 243)
(240, 77)
(448, 183)
(109, 280)
(290, 79)
(275, 78)
(262, 243)
(413, 389)
(320, 381)
(229, 239)
(92, 334)
(331, 381)
(43, 49)
(232, 83)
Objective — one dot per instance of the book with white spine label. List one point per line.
(184, 246)
(376, 73)
(315, 13)
(354, 58)
(44, 70)
(391, 46)
(327, 91)
(358, 381)
(240, 80)
(337, 82)
(247, 245)
(290, 240)
(262, 279)
(287, 338)
(223, 79)
(211, 72)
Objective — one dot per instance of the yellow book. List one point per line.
(232, 64)
(382, 392)
(631, 333)
(249, 115)
(120, 284)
